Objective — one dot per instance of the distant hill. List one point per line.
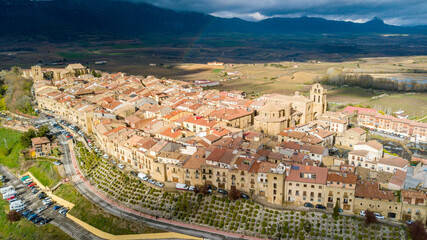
(72, 19)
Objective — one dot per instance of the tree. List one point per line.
(234, 194)
(204, 189)
(370, 217)
(26, 138)
(13, 216)
(43, 130)
(417, 230)
(336, 211)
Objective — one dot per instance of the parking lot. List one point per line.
(31, 200)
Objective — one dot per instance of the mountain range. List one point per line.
(73, 19)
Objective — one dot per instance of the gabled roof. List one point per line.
(394, 161)
(318, 174)
(373, 144)
(371, 189)
(39, 140)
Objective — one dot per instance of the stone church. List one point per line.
(281, 111)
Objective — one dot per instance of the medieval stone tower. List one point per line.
(36, 71)
(318, 96)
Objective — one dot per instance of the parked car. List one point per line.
(32, 184)
(121, 166)
(41, 209)
(181, 186)
(37, 220)
(142, 176)
(362, 213)
(10, 198)
(191, 188)
(159, 184)
(309, 205)
(222, 191)
(63, 211)
(2, 178)
(27, 213)
(33, 216)
(57, 163)
(320, 206)
(57, 207)
(378, 216)
(35, 190)
(41, 195)
(409, 222)
(151, 181)
(25, 178)
(244, 196)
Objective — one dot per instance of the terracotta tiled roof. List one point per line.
(39, 140)
(357, 130)
(196, 161)
(216, 154)
(348, 179)
(297, 171)
(412, 193)
(371, 189)
(297, 134)
(229, 114)
(201, 122)
(351, 109)
(363, 153)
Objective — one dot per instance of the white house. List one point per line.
(374, 148)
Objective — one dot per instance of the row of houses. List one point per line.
(176, 133)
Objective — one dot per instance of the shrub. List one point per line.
(370, 217)
(13, 216)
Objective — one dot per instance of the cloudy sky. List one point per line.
(396, 12)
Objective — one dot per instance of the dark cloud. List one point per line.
(397, 12)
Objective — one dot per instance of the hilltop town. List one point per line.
(276, 148)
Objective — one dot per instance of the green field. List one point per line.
(412, 104)
(24, 229)
(45, 172)
(217, 70)
(95, 216)
(9, 156)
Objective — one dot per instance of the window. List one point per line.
(297, 184)
(296, 193)
(305, 185)
(312, 186)
(274, 186)
(290, 192)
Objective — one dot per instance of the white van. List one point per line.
(143, 176)
(17, 207)
(181, 186)
(17, 202)
(3, 190)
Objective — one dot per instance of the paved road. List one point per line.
(59, 220)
